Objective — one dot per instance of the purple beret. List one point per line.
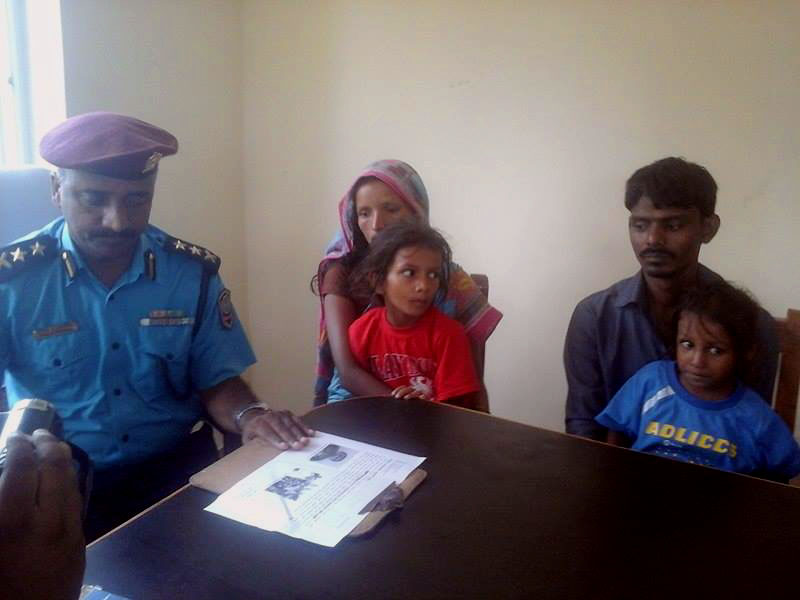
(107, 144)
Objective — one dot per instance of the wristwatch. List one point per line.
(252, 406)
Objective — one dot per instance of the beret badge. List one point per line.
(152, 162)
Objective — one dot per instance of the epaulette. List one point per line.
(208, 259)
(21, 256)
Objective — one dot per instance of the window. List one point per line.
(31, 76)
(14, 113)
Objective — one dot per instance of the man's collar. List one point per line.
(634, 289)
(137, 268)
(75, 256)
(631, 291)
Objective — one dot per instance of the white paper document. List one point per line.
(316, 493)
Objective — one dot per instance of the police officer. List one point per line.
(129, 331)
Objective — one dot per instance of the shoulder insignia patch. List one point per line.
(20, 256)
(225, 306)
(208, 259)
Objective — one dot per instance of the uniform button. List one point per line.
(57, 362)
(115, 346)
(170, 356)
(125, 438)
(117, 391)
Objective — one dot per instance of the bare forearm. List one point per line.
(226, 399)
(341, 313)
(362, 383)
(279, 428)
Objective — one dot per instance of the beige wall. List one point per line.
(524, 119)
(175, 63)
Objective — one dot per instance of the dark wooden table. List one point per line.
(507, 511)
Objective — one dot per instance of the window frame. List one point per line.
(16, 107)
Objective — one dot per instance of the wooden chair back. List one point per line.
(482, 281)
(788, 379)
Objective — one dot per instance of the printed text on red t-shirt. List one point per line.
(393, 366)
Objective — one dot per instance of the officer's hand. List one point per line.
(280, 428)
(41, 536)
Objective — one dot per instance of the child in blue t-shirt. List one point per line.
(695, 408)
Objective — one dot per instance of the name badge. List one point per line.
(165, 313)
(54, 330)
(166, 321)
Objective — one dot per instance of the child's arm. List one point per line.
(622, 416)
(408, 391)
(470, 401)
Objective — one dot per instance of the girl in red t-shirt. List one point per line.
(407, 343)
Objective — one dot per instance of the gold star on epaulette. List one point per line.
(37, 249)
(18, 254)
(208, 259)
(19, 257)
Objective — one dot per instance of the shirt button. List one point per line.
(117, 391)
(170, 356)
(125, 438)
(115, 346)
(57, 362)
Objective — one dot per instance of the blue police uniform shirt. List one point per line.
(121, 364)
(741, 433)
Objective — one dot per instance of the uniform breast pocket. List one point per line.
(163, 363)
(62, 357)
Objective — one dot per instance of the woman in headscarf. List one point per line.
(386, 192)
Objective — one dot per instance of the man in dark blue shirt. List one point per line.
(615, 332)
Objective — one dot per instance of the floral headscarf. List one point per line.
(399, 177)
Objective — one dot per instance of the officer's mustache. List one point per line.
(107, 234)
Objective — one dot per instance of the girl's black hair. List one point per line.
(360, 244)
(736, 311)
(372, 270)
